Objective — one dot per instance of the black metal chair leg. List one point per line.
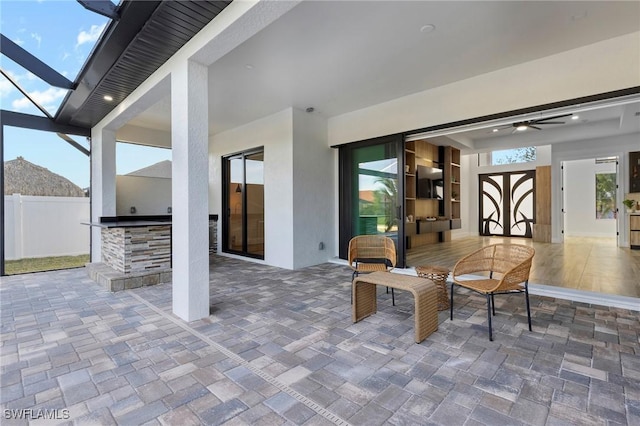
(526, 295)
(489, 317)
(451, 304)
(393, 298)
(493, 305)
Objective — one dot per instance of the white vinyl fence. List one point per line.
(45, 226)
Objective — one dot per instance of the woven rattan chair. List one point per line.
(371, 253)
(511, 262)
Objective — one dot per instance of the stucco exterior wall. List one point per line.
(275, 134)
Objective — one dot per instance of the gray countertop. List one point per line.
(128, 224)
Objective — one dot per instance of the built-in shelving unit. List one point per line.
(443, 213)
(634, 171)
(410, 190)
(453, 189)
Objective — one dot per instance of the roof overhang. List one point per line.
(147, 34)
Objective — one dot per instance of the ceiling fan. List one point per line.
(533, 124)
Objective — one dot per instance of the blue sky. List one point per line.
(62, 34)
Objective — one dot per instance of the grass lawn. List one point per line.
(39, 264)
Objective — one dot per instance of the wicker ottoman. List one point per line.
(439, 276)
(425, 295)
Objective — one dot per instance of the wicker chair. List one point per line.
(512, 262)
(370, 253)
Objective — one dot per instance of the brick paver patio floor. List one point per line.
(280, 348)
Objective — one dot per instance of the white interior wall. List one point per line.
(312, 190)
(619, 146)
(580, 200)
(149, 195)
(597, 68)
(275, 134)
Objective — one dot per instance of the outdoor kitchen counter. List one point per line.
(127, 224)
(132, 245)
(135, 251)
(131, 221)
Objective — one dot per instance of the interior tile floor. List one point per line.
(590, 264)
(280, 348)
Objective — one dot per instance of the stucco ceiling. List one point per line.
(342, 56)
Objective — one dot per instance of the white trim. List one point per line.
(591, 297)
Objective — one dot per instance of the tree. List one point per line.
(388, 196)
(516, 155)
(605, 195)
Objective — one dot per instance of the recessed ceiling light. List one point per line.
(108, 98)
(427, 28)
(522, 127)
(494, 130)
(249, 66)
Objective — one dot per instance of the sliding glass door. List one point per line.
(243, 187)
(371, 192)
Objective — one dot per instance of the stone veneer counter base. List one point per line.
(113, 280)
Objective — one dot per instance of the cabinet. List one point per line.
(634, 171)
(634, 231)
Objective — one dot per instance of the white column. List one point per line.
(103, 183)
(190, 205)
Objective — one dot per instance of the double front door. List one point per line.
(507, 203)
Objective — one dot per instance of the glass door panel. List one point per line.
(236, 202)
(255, 203)
(375, 191)
(243, 227)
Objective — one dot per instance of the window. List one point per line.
(513, 156)
(605, 195)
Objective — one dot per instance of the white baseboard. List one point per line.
(591, 297)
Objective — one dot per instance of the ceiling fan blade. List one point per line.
(551, 118)
(534, 127)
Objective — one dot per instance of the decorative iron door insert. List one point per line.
(507, 204)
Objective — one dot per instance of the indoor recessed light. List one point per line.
(108, 98)
(575, 117)
(427, 28)
(249, 66)
(494, 130)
